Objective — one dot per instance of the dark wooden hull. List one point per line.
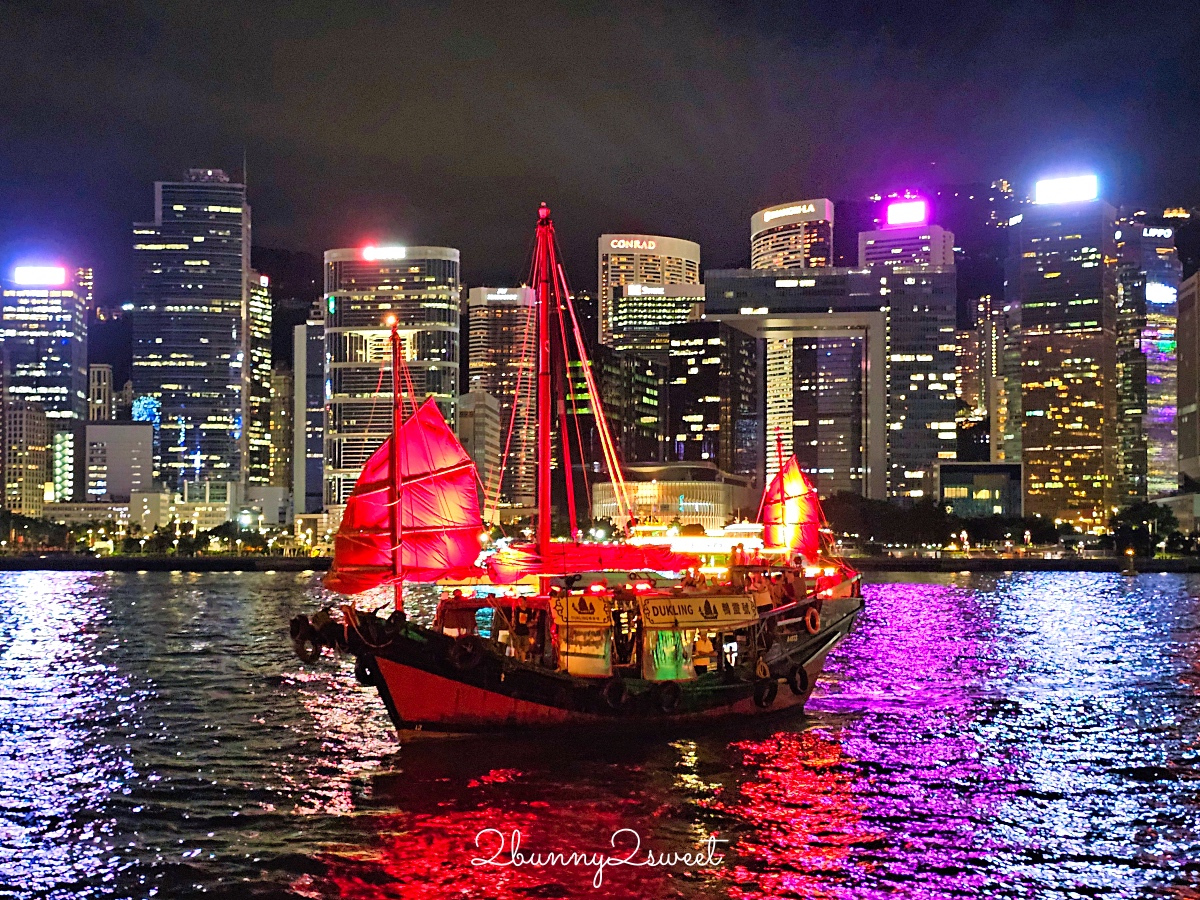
(425, 689)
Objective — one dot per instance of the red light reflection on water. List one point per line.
(799, 800)
(419, 856)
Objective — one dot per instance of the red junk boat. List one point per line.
(617, 651)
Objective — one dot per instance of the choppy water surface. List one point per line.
(1018, 736)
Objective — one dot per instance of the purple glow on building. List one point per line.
(907, 212)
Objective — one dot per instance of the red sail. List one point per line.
(439, 511)
(792, 514)
(565, 558)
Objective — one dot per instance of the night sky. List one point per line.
(446, 123)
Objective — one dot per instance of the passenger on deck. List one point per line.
(522, 621)
(701, 579)
(702, 653)
(688, 580)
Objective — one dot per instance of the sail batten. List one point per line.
(439, 520)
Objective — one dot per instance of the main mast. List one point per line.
(395, 486)
(544, 275)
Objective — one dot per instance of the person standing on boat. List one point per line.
(521, 629)
(702, 653)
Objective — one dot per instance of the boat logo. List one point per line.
(708, 611)
(584, 607)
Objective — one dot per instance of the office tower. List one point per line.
(479, 428)
(907, 239)
(645, 259)
(282, 429)
(502, 356)
(792, 236)
(43, 326)
(256, 351)
(119, 460)
(1062, 283)
(308, 414)
(633, 391)
(418, 285)
(26, 457)
(643, 315)
(100, 392)
(1148, 274)
(714, 398)
(968, 368)
(872, 411)
(85, 284)
(194, 329)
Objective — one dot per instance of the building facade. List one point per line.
(119, 459)
(26, 462)
(1062, 282)
(282, 428)
(1187, 337)
(714, 390)
(1148, 275)
(420, 287)
(100, 392)
(907, 239)
(479, 429)
(645, 259)
(977, 490)
(644, 314)
(308, 414)
(860, 370)
(792, 236)
(502, 357)
(201, 328)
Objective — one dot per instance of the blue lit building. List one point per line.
(308, 416)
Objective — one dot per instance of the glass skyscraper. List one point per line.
(420, 286)
(43, 328)
(201, 333)
(1062, 286)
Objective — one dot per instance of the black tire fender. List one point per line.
(467, 652)
(667, 696)
(613, 693)
(798, 680)
(306, 644)
(765, 691)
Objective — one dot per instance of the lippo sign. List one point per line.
(721, 612)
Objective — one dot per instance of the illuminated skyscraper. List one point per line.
(256, 350)
(420, 286)
(308, 414)
(502, 354)
(85, 284)
(201, 332)
(43, 326)
(282, 429)
(859, 370)
(645, 259)
(644, 314)
(908, 239)
(479, 430)
(26, 457)
(715, 398)
(1062, 282)
(1148, 274)
(792, 236)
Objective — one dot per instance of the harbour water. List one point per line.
(1025, 735)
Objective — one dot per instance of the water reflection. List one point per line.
(1007, 736)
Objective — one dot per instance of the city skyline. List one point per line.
(752, 110)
